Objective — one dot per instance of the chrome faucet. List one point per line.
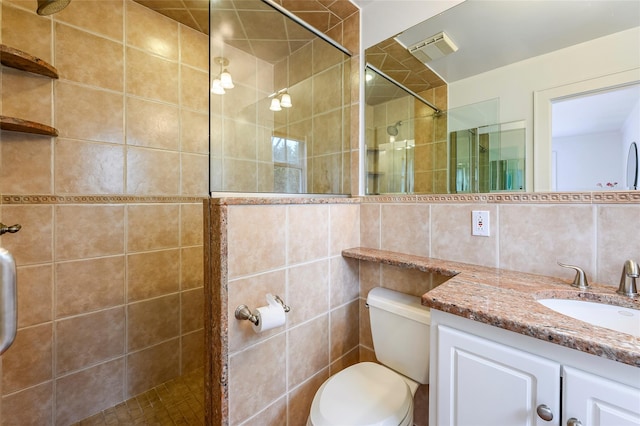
(630, 273)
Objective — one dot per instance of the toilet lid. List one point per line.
(365, 394)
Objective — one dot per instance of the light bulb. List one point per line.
(275, 105)
(217, 88)
(225, 80)
(285, 101)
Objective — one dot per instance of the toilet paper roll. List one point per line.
(269, 317)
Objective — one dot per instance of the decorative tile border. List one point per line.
(604, 197)
(95, 199)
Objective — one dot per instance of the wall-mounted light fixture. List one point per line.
(223, 80)
(280, 99)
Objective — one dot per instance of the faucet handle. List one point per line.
(580, 280)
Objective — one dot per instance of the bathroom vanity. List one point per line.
(500, 357)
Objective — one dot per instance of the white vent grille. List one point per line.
(432, 48)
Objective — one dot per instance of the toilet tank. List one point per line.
(400, 330)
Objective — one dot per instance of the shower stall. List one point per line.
(487, 159)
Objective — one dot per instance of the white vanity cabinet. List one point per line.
(596, 401)
(484, 375)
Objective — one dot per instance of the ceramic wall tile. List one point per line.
(89, 285)
(152, 124)
(81, 394)
(405, 228)
(152, 32)
(152, 226)
(35, 295)
(308, 350)
(308, 288)
(104, 17)
(32, 406)
(152, 321)
(152, 172)
(77, 236)
(89, 339)
(614, 246)
(29, 362)
(25, 164)
(152, 274)
(306, 242)
(152, 366)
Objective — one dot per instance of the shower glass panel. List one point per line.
(284, 126)
(488, 158)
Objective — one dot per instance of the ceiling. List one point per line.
(255, 27)
(494, 33)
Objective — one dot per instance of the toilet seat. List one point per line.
(365, 394)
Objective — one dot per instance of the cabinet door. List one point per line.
(596, 401)
(481, 382)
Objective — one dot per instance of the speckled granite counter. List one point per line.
(506, 299)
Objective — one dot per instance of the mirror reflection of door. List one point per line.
(632, 167)
(591, 135)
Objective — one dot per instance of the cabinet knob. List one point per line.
(574, 422)
(545, 413)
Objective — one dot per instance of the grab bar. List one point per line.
(8, 300)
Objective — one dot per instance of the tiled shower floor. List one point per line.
(177, 402)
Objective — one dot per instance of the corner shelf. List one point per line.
(26, 126)
(23, 61)
(20, 60)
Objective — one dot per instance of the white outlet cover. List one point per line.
(480, 223)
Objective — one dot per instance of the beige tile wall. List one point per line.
(110, 255)
(272, 249)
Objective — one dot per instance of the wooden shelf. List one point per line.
(18, 59)
(26, 126)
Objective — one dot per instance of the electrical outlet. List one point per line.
(480, 223)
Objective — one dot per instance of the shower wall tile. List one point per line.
(194, 128)
(152, 226)
(85, 254)
(152, 366)
(152, 172)
(191, 224)
(104, 17)
(89, 285)
(17, 88)
(191, 268)
(192, 306)
(77, 236)
(85, 58)
(89, 391)
(88, 168)
(193, 351)
(145, 29)
(152, 274)
(29, 361)
(34, 35)
(33, 406)
(35, 295)
(191, 94)
(36, 245)
(194, 174)
(194, 48)
(345, 227)
(152, 124)
(25, 164)
(89, 339)
(73, 101)
(151, 77)
(152, 321)
(327, 95)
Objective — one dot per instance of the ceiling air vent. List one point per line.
(432, 48)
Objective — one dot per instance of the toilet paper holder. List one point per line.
(244, 313)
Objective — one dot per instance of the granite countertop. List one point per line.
(506, 299)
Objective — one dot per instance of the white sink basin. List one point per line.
(624, 320)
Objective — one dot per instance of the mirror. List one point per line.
(632, 167)
(505, 55)
(280, 105)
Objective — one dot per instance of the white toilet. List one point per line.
(372, 394)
